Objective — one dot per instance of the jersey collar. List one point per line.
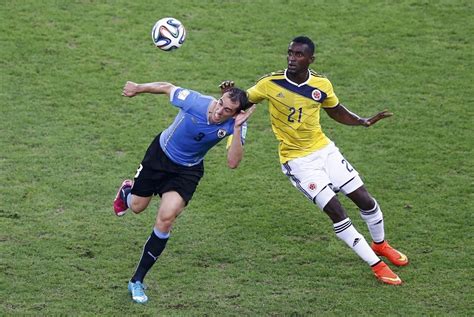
(298, 85)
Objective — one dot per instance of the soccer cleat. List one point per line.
(137, 290)
(120, 206)
(394, 256)
(385, 274)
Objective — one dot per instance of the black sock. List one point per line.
(151, 251)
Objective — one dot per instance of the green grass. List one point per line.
(249, 243)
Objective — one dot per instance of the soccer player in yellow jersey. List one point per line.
(312, 162)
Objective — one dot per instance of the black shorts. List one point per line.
(157, 174)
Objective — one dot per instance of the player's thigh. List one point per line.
(307, 175)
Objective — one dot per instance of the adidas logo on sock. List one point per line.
(356, 240)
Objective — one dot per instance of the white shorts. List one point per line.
(321, 174)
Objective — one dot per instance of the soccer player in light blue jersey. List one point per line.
(173, 163)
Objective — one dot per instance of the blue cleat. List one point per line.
(137, 291)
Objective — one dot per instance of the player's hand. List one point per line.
(243, 116)
(226, 85)
(130, 89)
(379, 116)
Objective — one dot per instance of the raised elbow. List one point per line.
(234, 157)
(233, 164)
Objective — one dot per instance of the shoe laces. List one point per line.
(388, 249)
(138, 289)
(383, 247)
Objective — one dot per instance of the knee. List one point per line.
(164, 226)
(164, 223)
(335, 211)
(362, 198)
(367, 203)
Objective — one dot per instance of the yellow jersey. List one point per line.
(294, 111)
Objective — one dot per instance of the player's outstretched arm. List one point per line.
(381, 115)
(342, 115)
(132, 89)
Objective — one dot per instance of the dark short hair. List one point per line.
(240, 96)
(305, 40)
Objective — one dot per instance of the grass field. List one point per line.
(249, 243)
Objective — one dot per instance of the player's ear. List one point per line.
(312, 59)
(236, 113)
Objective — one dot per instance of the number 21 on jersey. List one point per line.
(295, 114)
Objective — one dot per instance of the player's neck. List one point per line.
(298, 78)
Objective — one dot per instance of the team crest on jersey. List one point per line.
(183, 94)
(221, 133)
(317, 95)
(312, 186)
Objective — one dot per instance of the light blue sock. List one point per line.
(161, 235)
(129, 200)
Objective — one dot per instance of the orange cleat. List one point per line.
(394, 256)
(385, 274)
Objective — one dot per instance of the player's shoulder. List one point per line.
(272, 75)
(318, 77)
(191, 101)
(197, 94)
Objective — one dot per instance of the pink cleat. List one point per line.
(120, 206)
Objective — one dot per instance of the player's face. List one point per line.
(299, 58)
(223, 109)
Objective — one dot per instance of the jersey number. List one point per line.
(199, 136)
(292, 113)
(348, 166)
(139, 169)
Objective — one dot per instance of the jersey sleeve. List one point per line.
(243, 134)
(331, 100)
(258, 92)
(184, 98)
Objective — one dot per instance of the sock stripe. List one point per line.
(340, 228)
(161, 235)
(354, 240)
(371, 211)
(374, 220)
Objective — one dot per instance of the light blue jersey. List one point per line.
(191, 135)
